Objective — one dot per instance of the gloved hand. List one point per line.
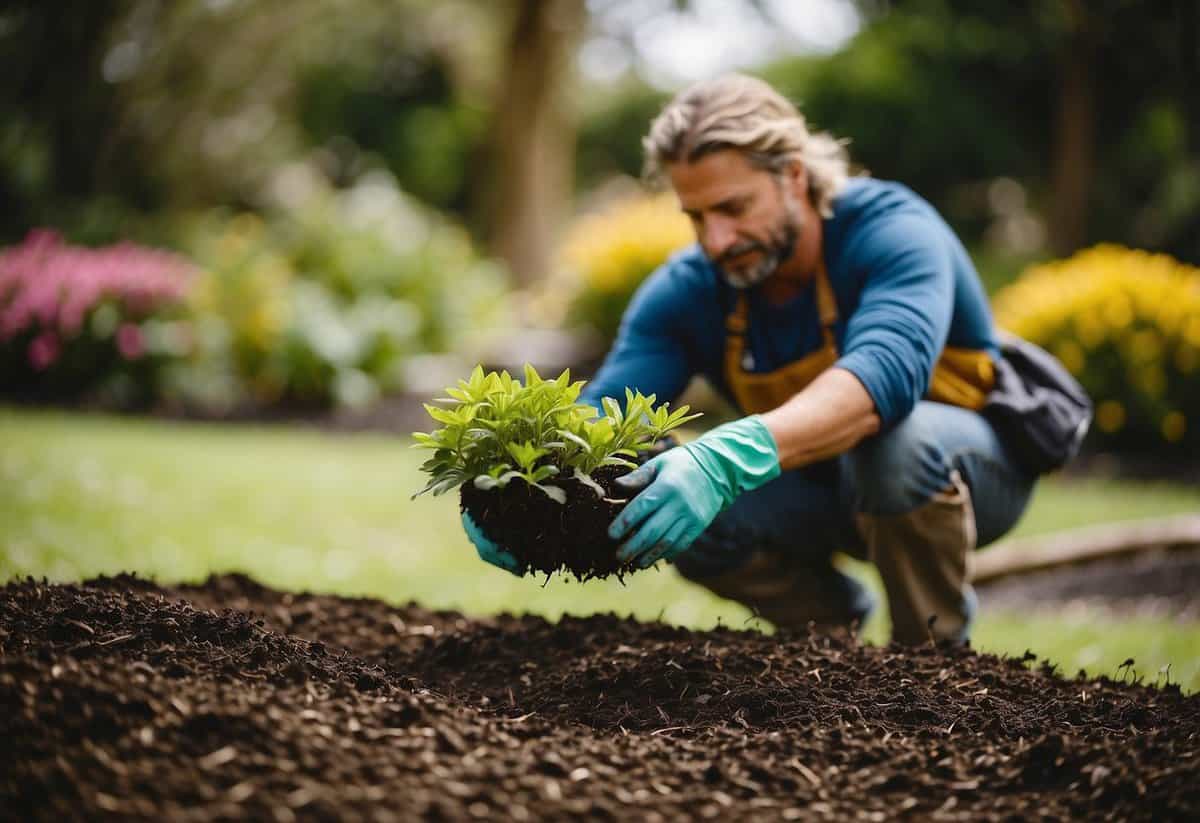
(488, 550)
(684, 488)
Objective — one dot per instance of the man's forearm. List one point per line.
(828, 417)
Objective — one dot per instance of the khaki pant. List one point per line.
(922, 557)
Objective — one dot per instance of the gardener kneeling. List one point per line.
(846, 320)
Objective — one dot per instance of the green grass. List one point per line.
(298, 509)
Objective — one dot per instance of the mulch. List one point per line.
(123, 699)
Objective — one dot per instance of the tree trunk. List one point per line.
(534, 136)
(1074, 143)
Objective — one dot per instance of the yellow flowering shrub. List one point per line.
(610, 252)
(1126, 323)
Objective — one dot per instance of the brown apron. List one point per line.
(961, 377)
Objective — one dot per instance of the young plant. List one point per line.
(499, 429)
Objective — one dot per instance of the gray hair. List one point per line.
(744, 113)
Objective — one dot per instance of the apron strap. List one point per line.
(737, 321)
(826, 304)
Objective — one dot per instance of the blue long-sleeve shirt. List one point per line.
(905, 288)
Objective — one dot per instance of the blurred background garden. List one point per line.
(233, 232)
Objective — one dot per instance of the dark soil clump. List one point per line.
(121, 699)
(547, 536)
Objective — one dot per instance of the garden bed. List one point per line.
(1156, 583)
(122, 698)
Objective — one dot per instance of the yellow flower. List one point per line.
(1187, 359)
(1191, 332)
(615, 249)
(1125, 322)
(1071, 355)
(1146, 345)
(1110, 416)
(1151, 380)
(1090, 332)
(1174, 426)
(1118, 311)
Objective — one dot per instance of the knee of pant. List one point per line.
(712, 553)
(898, 470)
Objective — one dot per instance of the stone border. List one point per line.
(1077, 546)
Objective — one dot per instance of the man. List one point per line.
(846, 321)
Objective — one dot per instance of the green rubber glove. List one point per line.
(488, 550)
(684, 488)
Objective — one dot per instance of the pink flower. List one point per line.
(50, 288)
(129, 341)
(44, 350)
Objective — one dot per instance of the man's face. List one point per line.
(746, 219)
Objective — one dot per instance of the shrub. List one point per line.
(79, 323)
(611, 252)
(321, 301)
(500, 430)
(1127, 325)
(264, 335)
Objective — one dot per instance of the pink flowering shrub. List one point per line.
(72, 318)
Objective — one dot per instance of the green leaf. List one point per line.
(485, 482)
(442, 415)
(576, 439)
(612, 409)
(532, 378)
(525, 453)
(553, 492)
(586, 479)
(543, 472)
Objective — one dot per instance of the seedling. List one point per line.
(496, 430)
(500, 429)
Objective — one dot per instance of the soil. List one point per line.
(122, 699)
(1163, 584)
(546, 536)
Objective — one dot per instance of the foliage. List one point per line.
(610, 252)
(947, 96)
(497, 421)
(951, 97)
(190, 104)
(78, 322)
(395, 99)
(611, 131)
(1127, 325)
(372, 238)
(321, 301)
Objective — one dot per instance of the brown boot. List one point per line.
(923, 557)
(791, 595)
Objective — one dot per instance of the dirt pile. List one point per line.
(123, 699)
(546, 536)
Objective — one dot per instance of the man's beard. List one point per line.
(778, 247)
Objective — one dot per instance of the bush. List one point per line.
(82, 324)
(1127, 325)
(321, 304)
(609, 253)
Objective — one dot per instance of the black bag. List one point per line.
(1039, 410)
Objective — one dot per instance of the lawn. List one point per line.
(82, 495)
